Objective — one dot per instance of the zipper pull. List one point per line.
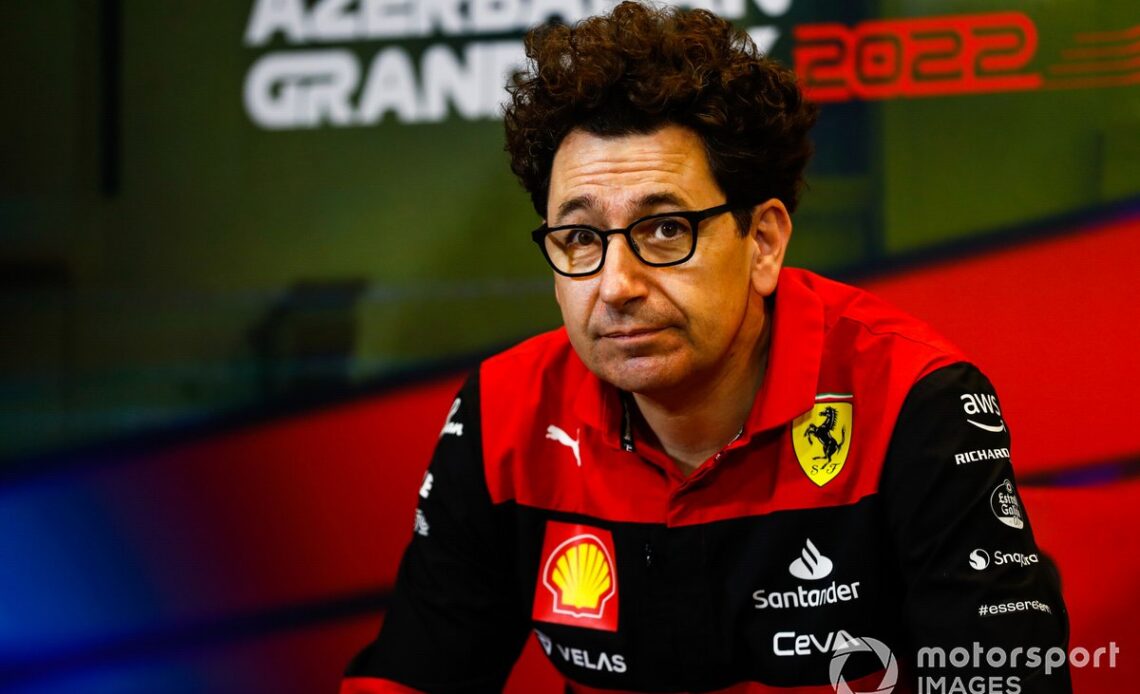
(648, 556)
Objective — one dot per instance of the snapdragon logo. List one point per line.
(980, 559)
(864, 644)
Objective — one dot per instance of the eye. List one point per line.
(581, 238)
(669, 228)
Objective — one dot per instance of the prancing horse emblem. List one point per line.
(822, 437)
(823, 432)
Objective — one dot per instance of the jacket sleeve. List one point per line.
(455, 623)
(973, 573)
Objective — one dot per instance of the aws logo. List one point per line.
(975, 404)
(577, 584)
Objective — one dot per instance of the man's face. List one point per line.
(652, 329)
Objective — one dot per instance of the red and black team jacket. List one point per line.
(864, 522)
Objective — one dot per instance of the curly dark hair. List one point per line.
(640, 68)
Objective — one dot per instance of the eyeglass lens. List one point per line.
(658, 240)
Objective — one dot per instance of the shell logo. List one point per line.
(579, 580)
(582, 577)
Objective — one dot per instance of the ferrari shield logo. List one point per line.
(822, 437)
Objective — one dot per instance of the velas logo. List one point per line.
(577, 581)
(822, 436)
(547, 644)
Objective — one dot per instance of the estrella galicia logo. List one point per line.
(821, 437)
(1006, 506)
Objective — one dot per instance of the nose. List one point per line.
(622, 277)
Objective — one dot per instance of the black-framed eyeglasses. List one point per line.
(659, 240)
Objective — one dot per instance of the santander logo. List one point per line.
(811, 565)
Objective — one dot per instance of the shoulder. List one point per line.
(539, 370)
(875, 356)
(549, 350)
(523, 391)
(864, 331)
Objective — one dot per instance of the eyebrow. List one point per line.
(586, 202)
(582, 202)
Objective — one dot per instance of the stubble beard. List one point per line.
(651, 373)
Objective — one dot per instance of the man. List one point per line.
(721, 473)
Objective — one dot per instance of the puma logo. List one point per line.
(556, 434)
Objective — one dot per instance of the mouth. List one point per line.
(631, 334)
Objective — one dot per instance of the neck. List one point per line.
(696, 422)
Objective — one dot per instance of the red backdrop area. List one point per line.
(307, 512)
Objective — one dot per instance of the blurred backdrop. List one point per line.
(248, 249)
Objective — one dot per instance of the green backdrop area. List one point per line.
(164, 258)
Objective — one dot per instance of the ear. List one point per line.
(771, 230)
